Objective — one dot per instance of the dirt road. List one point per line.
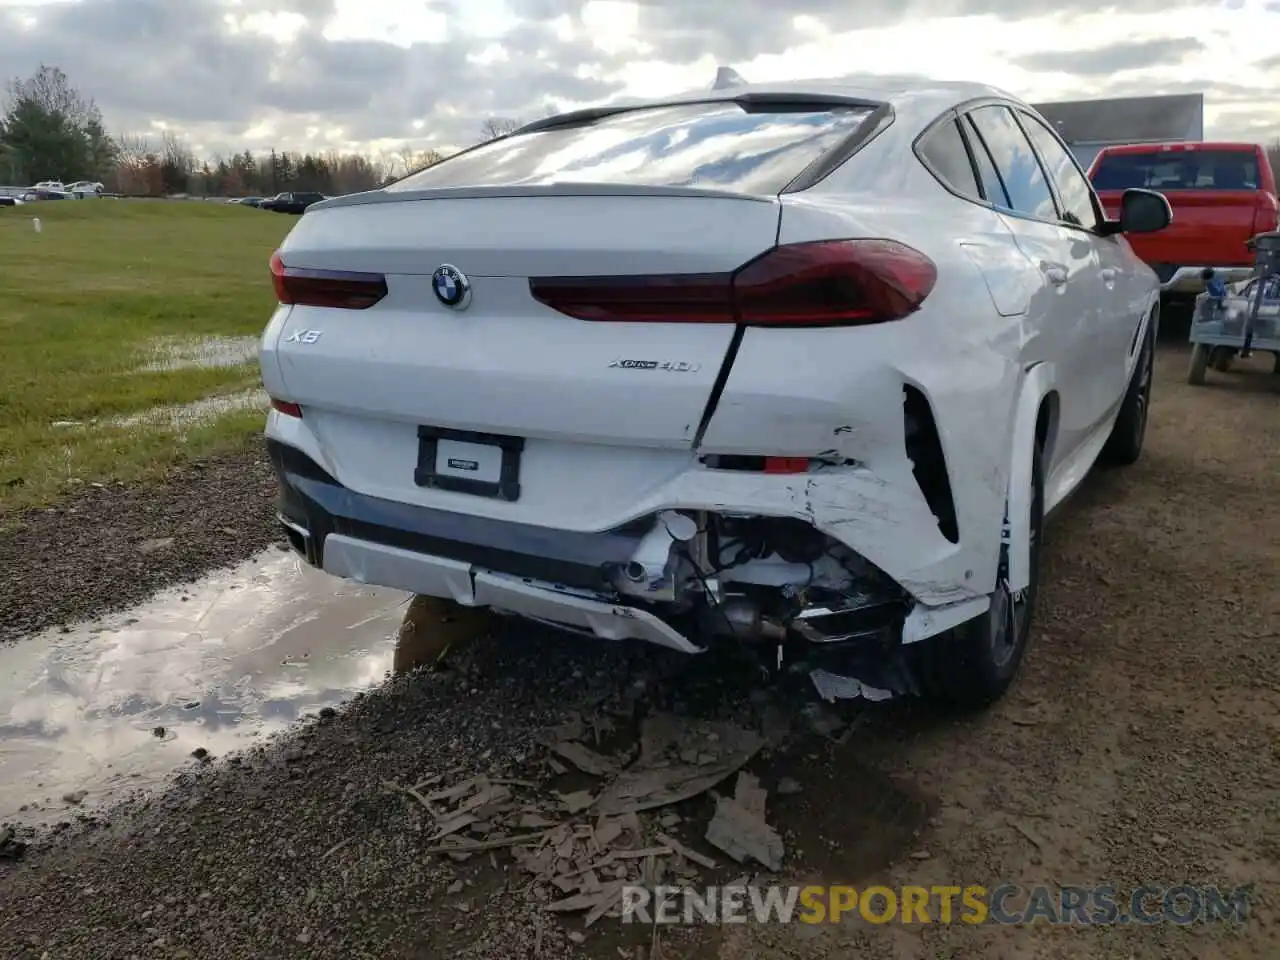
(1139, 747)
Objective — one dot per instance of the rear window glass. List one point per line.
(1178, 170)
(715, 145)
(945, 150)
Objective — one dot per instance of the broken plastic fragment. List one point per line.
(742, 835)
(832, 687)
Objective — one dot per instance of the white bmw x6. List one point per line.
(802, 366)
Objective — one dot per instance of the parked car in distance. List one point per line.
(246, 201)
(807, 378)
(85, 188)
(291, 202)
(1222, 194)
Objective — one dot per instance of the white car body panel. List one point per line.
(605, 446)
(421, 360)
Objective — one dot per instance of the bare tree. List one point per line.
(496, 127)
(132, 149)
(134, 152)
(414, 162)
(177, 163)
(176, 153)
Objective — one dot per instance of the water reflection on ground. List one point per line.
(240, 654)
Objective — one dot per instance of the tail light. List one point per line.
(287, 407)
(1265, 217)
(340, 289)
(826, 283)
(786, 464)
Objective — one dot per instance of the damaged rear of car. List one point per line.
(654, 373)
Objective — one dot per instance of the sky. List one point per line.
(390, 75)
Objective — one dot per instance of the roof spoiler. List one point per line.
(727, 77)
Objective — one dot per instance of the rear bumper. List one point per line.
(554, 576)
(314, 506)
(1188, 280)
(438, 554)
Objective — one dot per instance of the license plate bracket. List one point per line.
(464, 461)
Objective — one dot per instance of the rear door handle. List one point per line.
(1055, 273)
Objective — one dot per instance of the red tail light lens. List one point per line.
(287, 407)
(684, 298)
(1265, 218)
(821, 284)
(340, 289)
(786, 464)
(833, 283)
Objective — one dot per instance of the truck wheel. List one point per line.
(973, 665)
(1124, 446)
(1220, 359)
(1199, 363)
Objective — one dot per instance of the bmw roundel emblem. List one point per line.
(451, 285)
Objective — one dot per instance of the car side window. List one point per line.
(1020, 171)
(944, 150)
(992, 188)
(1073, 189)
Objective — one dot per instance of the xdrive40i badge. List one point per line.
(671, 366)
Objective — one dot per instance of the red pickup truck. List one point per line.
(1222, 194)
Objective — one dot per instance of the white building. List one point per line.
(1089, 125)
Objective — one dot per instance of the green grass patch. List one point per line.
(85, 303)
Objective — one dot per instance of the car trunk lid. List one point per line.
(505, 363)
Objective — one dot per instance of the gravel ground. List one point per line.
(1140, 746)
(112, 546)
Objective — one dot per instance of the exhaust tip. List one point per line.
(299, 537)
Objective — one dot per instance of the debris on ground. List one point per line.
(832, 687)
(707, 752)
(580, 849)
(586, 759)
(789, 786)
(11, 848)
(822, 720)
(739, 828)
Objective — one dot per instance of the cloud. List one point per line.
(689, 29)
(317, 74)
(208, 67)
(1114, 58)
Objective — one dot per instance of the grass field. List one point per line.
(92, 305)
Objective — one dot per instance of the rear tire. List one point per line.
(1124, 446)
(1220, 359)
(972, 666)
(1199, 364)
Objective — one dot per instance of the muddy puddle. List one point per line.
(176, 353)
(182, 416)
(201, 411)
(239, 655)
